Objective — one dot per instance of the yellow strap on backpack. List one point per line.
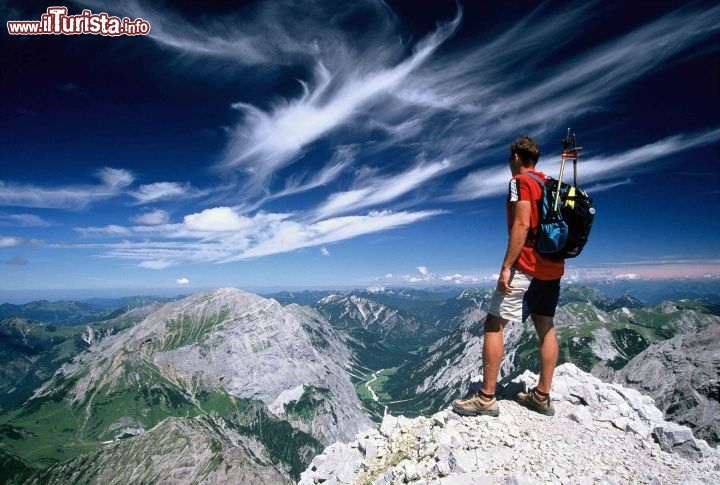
(570, 200)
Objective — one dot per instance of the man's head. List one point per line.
(524, 152)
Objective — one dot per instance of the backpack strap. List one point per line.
(533, 232)
(536, 178)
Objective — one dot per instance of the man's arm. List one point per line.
(518, 235)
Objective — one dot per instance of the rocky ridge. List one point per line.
(682, 374)
(220, 387)
(346, 311)
(251, 347)
(601, 433)
(177, 450)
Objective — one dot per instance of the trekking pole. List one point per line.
(557, 192)
(570, 151)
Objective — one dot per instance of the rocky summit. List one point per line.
(601, 433)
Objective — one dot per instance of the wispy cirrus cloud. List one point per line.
(495, 92)
(112, 183)
(271, 33)
(493, 181)
(376, 190)
(266, 141)
(343, 157)
(402, 114)
(111, 230)
(221, 235)
(23, 220)
(159, 191)
(474, 100)
(452, 106)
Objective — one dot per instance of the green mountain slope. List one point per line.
(258, 385)
(593, 330)
(31, 352)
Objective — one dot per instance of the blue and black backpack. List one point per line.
(566, 212)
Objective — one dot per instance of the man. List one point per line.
(528, 285)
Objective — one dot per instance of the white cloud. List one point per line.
(496, 98)
(341, 159)
(291, 235)
(432, 109)
(461, 279)
(594, 189)
(67, 197)
(23, 220)
(593, 169)
(455, 106)
(155, 264)
(265, 142)
(425, 276)
(377, 190)
(218, 219)
(220, 235)
(110, 230)
(115, 178)
(628, 276)
(8, 241)
(265, 35)
(324, 251)
(152, 218)
(165, 191)
(183, 281)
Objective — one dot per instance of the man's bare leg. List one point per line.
(549, 350)
(493, 351)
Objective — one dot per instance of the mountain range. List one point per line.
(227, 384)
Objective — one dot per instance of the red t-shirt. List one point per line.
(524, 187)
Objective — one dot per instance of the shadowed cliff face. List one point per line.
(262, 385)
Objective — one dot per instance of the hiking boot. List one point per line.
(476, 406)
(533, 401)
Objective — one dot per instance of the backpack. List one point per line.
(565, 220)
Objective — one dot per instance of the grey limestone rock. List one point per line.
(608, 441)
(674, 438)
(682, 375)
(582, 416)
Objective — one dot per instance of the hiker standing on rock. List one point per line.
(529, 284)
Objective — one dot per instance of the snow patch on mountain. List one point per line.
(604, 345)
(277, 407)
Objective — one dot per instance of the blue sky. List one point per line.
(322, 143)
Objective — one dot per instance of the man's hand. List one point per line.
(503, 283)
